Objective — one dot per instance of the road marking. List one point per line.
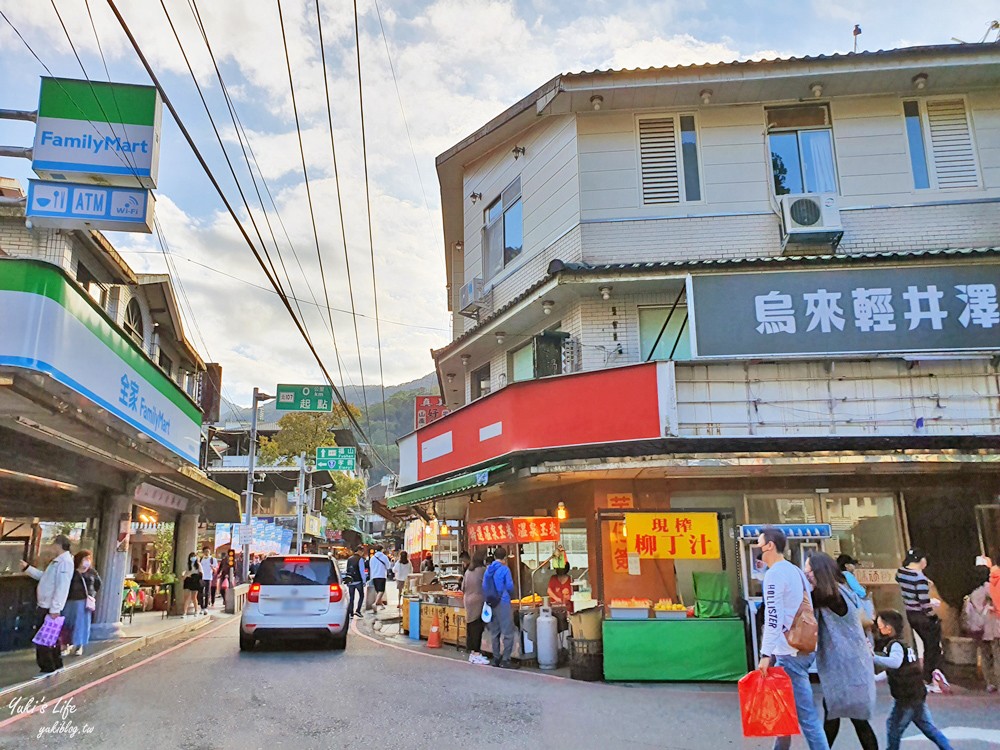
(107, 678)
(989, 736)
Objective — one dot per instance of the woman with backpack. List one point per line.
(843, 656)
(982, 622)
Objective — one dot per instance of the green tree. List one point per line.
(301, 431)
(341, 500)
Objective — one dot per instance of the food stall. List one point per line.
(649, 632)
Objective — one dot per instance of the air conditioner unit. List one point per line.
(812, 218)
(470, 297)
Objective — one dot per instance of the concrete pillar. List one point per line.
(185, 541)
(112, 565)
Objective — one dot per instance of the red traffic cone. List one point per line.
(434, 638)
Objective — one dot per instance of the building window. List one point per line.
(133, 321)
(166, 364)
(939, 138)
(91, 285)
(539, 358)
(801, 144)
(522, 363)
(480, 382)
(665, 339)
(503, 231)
(669, 170)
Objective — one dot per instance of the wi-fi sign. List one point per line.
(132, 202)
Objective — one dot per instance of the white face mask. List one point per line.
(85, 565)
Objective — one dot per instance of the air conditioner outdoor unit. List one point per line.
(811, 218)
(470, 297)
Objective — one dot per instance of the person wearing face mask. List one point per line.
(53, 588)
(82, 601)
(192, 584)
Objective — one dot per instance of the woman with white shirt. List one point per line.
(401, 571)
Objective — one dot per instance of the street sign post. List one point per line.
(98, 133)
(304, 398)
(69, 205)
(336, 459)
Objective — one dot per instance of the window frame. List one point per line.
(925, 130)
(681, 182)
(798, 143)
(476, 378)
(138, 335)
(502, 221)
(682, 308)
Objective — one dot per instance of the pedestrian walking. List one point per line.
(981, 621)
(51, 595)
(906, 683)
(786, 592)
(209, 566)
(192, 584)
(473, 597)
(356, 570)
(401, 571)
(843, 655)
(498, 585)
(81, 601)
(379, 573)
(920, 613)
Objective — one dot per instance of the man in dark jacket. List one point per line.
(357, 570)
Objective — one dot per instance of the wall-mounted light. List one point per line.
(465, 359)
(605, 293)
(547, 306)
(444, 529)
(459, 246)
(706, 96)
(451, 377)
(517, 151)
(476, 197)
(561, 513)
(816, 89)
(500, 335)
(919, 81)
(596, 101)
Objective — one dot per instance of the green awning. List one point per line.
(452, 486)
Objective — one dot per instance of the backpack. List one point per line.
(490, 589)
(973, 618)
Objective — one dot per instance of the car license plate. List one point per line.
(293, 605)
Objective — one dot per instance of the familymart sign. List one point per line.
(97, 133)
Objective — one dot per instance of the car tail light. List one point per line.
(336, 592)
(296, 559)
(253, 595)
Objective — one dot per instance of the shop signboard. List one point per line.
(71, 340)
(70, 205)
(674, 536)
(514, 531)
(621, 500)
(619, 548)
(427, 409)
(336, 459)
(98, 133)
(304, 398)
(842, 311)
(147, 494)
(875, 576)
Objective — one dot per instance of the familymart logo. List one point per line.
(86, 142)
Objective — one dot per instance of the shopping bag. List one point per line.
(767, 704)
(487, 613)
(48, 633)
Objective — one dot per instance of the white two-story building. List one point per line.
(764, 288)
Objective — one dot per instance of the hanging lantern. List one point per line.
(561, 513)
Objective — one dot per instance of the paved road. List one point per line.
(207, 695)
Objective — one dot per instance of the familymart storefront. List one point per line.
(89, 430)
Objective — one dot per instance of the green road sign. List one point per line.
(304, 398)
(336, 459)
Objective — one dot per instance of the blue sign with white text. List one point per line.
(67, 205)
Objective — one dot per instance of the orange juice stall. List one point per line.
(649, 632)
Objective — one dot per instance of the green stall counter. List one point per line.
(691, 650)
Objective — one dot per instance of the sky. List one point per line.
(454, 66)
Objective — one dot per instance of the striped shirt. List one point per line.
(916, 590)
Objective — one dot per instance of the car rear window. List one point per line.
(296, 571)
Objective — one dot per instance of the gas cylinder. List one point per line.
(547, 642)
(528, 627)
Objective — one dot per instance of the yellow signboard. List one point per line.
(674, 536)
(619, 548)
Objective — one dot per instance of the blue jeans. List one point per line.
(797, 668)
(904, 714)
(502, 624)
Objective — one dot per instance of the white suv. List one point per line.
(295, 596)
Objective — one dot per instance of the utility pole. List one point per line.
(301, 502)
(258, 398)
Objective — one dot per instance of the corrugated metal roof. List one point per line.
(557, 268)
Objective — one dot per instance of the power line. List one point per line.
(340, 204)
(368, 204)
(246, 237)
